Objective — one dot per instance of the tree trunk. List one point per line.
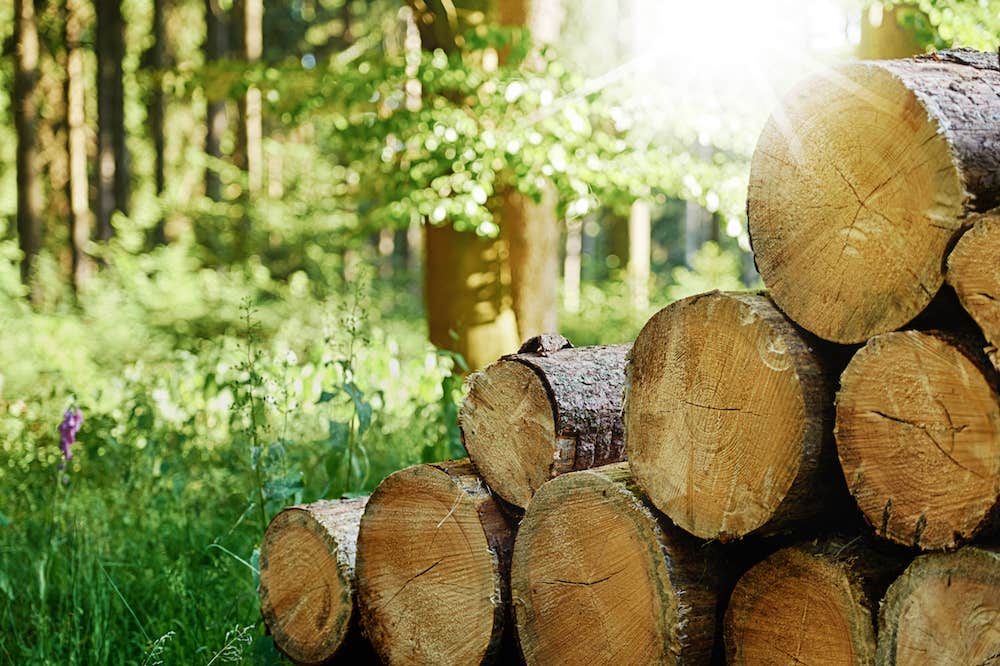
(943, 610)
(974, 274)
(433, 556)
(862, 184)
(155, 60)
(639, 231)
(29, 186)
(307, 580)
(76, 148)
(250, 153)
(573, 266)
(112, 160)
(532, 234)
(918, 434)
(811, 604)
(728, 417)
(543, 412)
(883, 35)
(599, 577)
(467, 292)
(216, 47)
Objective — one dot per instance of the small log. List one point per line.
(599, 577)
(974, 274)
(433, 556)
(307, 579)
(812, 603)
(918, 435)
(944, 609)
(861, 182)
(728, 417)
(544, 411)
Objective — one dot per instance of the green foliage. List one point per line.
(971, 23)
(711, 268)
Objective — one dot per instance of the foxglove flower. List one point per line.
(72, 420)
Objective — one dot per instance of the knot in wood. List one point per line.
(544, 344)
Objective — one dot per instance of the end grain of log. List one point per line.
(918, 436)
(974, 273)
(534, 415)
(944, 609)
(433, 556)
(306, 589)
(728, 417)
(598, 577)
(861, 182)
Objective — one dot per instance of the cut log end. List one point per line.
(918, 435)
(974, 273)
(430, 571)
(725, 410)
(854, 197)
(508, 428)
(594, 579)
(799, 607)
(944, 609)
(306, 578)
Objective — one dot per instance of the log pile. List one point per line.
(805, 475)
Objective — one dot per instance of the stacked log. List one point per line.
(805, 482)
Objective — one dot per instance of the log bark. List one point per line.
(467, 292)
(812, 603)
(944, 609)
(433, 558)
(598, 577)
(307, 581)
(861, 183)
(545, 411)
(974, 274)
(918, 436)
(728, 416)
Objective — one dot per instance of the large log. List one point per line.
(810, 604)
(918, 435)
(974, 274)
(599, 577)
(728, 417)
(944, 609)
(861, 181)
(544, 411)
(307, 579)
(433, 556)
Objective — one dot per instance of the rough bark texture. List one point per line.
(728, 417)
(974, 273)
(433, 560)
(918, 436)
(467, 292)
(25, 102)
(944, 609)
(306, 588)
(543, 412)
(812, 603)
(599, 577)
(112, 158)
(861, 184)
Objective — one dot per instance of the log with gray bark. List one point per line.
(862, 181)
(549, 409)
(306, 589)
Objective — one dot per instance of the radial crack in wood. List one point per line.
(861, 181)
(728, 416)
(532, 416)
(918, 436)
(433, 555)
(598, 577)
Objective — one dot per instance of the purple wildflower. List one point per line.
(72, 420)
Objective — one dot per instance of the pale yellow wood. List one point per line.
(974, 274)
